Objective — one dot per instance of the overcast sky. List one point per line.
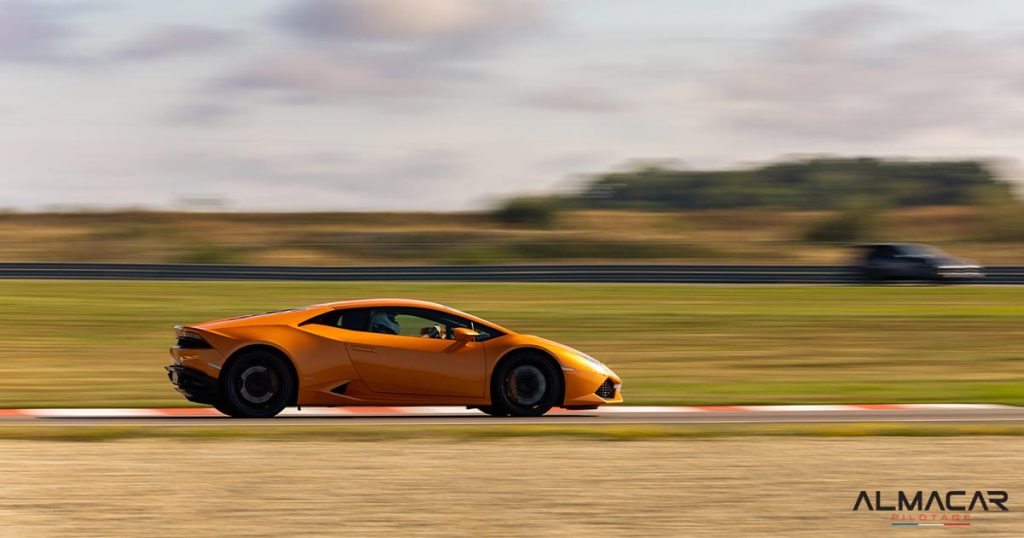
(451, 104)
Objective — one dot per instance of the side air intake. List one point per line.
(606, 390)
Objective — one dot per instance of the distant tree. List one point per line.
(823, 183)
(535, 212)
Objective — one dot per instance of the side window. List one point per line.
(881, 253)
(353, 319)
(402, 321)
(405, 323)
(422, 323)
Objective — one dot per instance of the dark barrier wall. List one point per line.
(722, 274)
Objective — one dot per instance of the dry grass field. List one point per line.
(750, 486)
(720, 236)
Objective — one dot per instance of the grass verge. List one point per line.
(603, 433)
(104, 344)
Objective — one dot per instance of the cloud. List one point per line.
(33, 31)
(422, 22)
(847, 19)
(380, 50)
(574, 99)
(327, 180)
(848, 73)
(176, 40)
(306, 76)
(203, 113)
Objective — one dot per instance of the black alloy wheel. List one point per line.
(257, 384)
(525, 385)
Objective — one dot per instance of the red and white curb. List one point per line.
(429, 411)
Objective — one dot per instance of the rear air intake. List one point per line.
(606, 390)
(189, 339)
(192, 342)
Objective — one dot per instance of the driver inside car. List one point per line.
(433, 331)
(385, 323)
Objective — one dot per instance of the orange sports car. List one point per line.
(381, 352)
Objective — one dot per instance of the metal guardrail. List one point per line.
(693, 274)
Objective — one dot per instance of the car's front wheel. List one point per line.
(526, 385)
(257, 384)
(493, 410)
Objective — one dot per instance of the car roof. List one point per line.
(409, 303)
(876, 245)
(297, 315)
(365, 303)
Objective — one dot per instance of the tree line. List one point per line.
(818, 183)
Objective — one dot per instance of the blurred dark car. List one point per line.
(915, 262)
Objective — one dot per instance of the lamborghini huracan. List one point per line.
(382, 352)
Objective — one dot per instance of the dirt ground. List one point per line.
(749, 486)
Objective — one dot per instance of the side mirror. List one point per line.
(463, 334)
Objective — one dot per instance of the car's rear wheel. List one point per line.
(526, 385)
(222, 406)
(257, 384)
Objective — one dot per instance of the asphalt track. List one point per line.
(609, 273)
(924, 413)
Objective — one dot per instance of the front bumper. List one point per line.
(960, 273)
(587, 388)
(194, 385)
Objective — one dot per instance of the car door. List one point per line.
(883, 263)
(404, 360)
(907, 265)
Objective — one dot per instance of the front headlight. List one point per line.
(596, 363)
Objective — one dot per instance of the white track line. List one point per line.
(102, 412)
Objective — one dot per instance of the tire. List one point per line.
(222, 406)
(525, 385)
(493, 410)
(871, 276)
(257, 384)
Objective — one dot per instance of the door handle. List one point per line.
(367, 349)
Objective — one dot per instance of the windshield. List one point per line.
(924, 251)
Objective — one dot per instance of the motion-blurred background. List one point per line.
(338, 132)
(460, 131)
(422, 132)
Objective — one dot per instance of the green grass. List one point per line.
(83, 344)
(613, 432)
